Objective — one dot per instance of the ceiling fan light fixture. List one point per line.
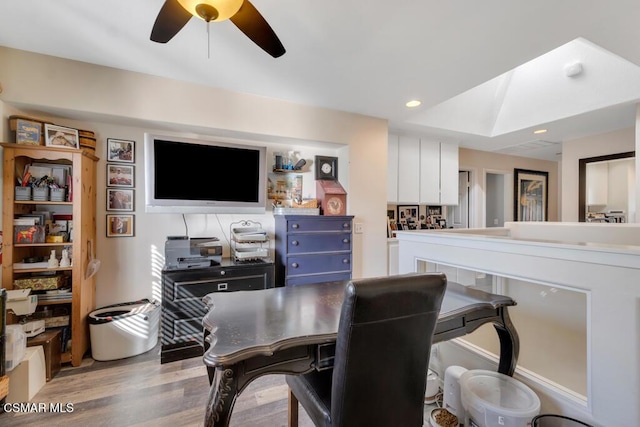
(212, 10)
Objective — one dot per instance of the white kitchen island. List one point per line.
(578, 315)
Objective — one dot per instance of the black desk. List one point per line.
(292, 330)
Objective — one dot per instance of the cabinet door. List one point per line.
(408, 169)
(449, 174)
(392, 169)
(429, 172)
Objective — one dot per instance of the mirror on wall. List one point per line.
(606, 188)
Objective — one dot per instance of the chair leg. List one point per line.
(292, 410)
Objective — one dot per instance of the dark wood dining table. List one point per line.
(293, 329)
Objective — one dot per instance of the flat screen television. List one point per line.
(200, 176)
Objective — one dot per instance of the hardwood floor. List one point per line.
(139, 391)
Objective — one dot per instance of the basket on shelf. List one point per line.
(312, 203)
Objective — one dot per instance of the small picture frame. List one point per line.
(120, 225)
(119, 175)
(120, 199)
(408, 215)
(120, 150)
(61, 137)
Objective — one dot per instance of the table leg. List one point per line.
(509, 343)
(222, 397)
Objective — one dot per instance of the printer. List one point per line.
(182, 252)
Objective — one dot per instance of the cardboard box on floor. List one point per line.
(26, 379)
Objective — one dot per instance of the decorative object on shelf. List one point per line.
(120, 175)
(287, 162)
(53, 261)
(60, 136)
(531, 193)
(119, 199)
(247, 240)
(326, 167)
(28, 131)
(332, 197)
(28, 234)
(120, 150)
(120, 226)
(65, 261)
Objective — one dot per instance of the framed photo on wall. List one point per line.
(407, 214)
(120, 150)
(531, 191)
(120, 225)
(119, 199)
(61, 137)
(119, 175)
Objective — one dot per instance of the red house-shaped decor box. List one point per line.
(332, 197)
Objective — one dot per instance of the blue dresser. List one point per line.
(312, 249)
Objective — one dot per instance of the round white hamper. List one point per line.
(123, 330)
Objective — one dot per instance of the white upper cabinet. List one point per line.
(422, 171)
(429, 172)
(408, 169)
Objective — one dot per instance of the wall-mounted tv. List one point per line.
(200, 176)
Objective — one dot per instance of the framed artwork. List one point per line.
(326, 167)
(531, 192)
(119, 199)
(120, 175)
(61, 137)
(120, 150)
(284, 186)
(408, 214)
(120, 225)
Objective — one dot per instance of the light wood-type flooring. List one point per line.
(140, 391)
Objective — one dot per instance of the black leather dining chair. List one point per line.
(382, 356)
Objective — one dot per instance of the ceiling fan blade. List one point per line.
(171, 18)
(254, 26)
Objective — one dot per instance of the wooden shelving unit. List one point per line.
(81, 299)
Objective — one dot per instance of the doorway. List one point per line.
(498, 203)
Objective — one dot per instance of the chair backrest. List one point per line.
(382, 350)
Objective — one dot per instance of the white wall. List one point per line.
(120, 104)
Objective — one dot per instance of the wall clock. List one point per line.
(326, 167)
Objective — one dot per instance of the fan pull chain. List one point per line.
(208, 42)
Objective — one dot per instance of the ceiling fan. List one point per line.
(174, 15)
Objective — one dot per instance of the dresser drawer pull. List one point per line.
(346, 225)
(294, 265)
(295, 225)
(295, 243)
(345, 261)
(223, 286)
(345, 240)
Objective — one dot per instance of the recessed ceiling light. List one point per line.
(540, 131)
(413, 103)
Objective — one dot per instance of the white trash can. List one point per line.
(492, 399)
(123, 330)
